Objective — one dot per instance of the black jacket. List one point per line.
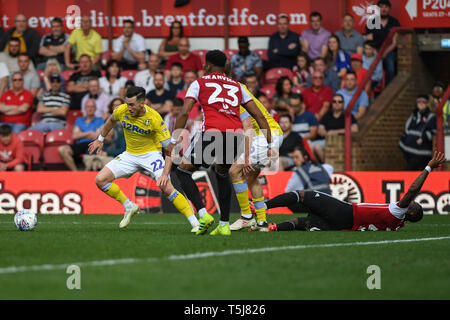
(32, 40)
(420, 125)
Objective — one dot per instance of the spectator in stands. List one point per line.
(159, 98)
(368, 58)
(53, 44)
(252, 85)
(284, 46)
(118, 129)
(11, 150)
(31, 80)
(437, 92)
(129, 48)
(169, 46)
(308, 175)
(417, 140)
(4, 77)
(379, 35)
(189, 77)
(357, 68)
(362, 103)
(113, 84)
(86, 41)
(52, 68)
(188, 60)
(305, 123)
(144, 78)
(176, 82)
(350, 39)
(317, 98)
(53, 106)
(100, 97)
(330, 77)
(171, 118)
(16, 105)
(245, 62)
(337, 59)
(85, 130)
(302, 70)
(332, 124)
(29, 39)
(283, 92)
(291, 140)
(315, 40)
(78, 83)
(10, 58)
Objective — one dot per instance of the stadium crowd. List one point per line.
(64, 87)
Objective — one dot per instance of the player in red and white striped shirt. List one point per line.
(328, 213)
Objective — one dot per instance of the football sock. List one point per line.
(247, 216)
(190, 188)
(182, 205)
(223, 223)
(113, 190)
(224, 188)
(241, 190)
(286, 226)
(260, 209)
(202, 212)
(283, 200)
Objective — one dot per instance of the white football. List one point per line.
(25, 220)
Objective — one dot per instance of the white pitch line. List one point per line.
(88, 223)
(200, 255)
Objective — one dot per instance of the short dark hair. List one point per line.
(137, 92)
(216, 58)
(128, 21)
(14, 39)
(296, 96)
(385, 2)
(24, 54)
(370, 43)
(5, 130)
(287, 115)
(348, 15)
(351, 72)
(416, 212)
(320, 59)
(283, 16)
(177, 102)
(57, 20)
(303, 152)
(315, 14)
(339, 95)
(423, 95)
(85, 55)
(176, 64)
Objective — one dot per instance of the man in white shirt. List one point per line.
(101, 99)
(145, 78)
(129, 48)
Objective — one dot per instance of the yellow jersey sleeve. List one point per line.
(160, 128)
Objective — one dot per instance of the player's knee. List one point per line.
(101, 180)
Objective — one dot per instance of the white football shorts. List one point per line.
(125, 164)
(258, 152)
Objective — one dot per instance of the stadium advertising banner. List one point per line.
(76, 192)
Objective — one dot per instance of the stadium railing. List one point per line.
(440, 122)
(368, 75)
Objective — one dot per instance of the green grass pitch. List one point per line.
(157, 257)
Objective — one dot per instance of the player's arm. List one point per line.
(413, 191)
(98, 143)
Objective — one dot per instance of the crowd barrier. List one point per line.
(75, 192)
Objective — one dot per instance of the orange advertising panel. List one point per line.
(76, 192)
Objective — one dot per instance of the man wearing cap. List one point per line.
(52, 106)
(356, 62)
(245, 62)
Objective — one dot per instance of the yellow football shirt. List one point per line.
(274, 126)
(142, 134)
(90, 45)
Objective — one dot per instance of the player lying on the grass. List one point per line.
(145, 134)
(220, 98)
(244, 173)
(328, 213)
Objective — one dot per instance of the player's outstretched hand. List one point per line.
(162, 181)
(437, 160)
(95, 145)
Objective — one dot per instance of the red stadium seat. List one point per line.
(53, 140)
(71, 116)
(129, 74)
(33, 143)
(35, 118)
(201, 53)
(297, 90)
(269, 90)
(106, 56)
(272, 75)
(103, 72)
(41, 74)
(66, 74)
(230, 52)
(262, 53)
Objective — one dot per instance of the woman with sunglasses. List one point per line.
(417, 140)
(169, 46)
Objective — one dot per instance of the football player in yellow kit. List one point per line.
(245, 173)
(145, 135)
